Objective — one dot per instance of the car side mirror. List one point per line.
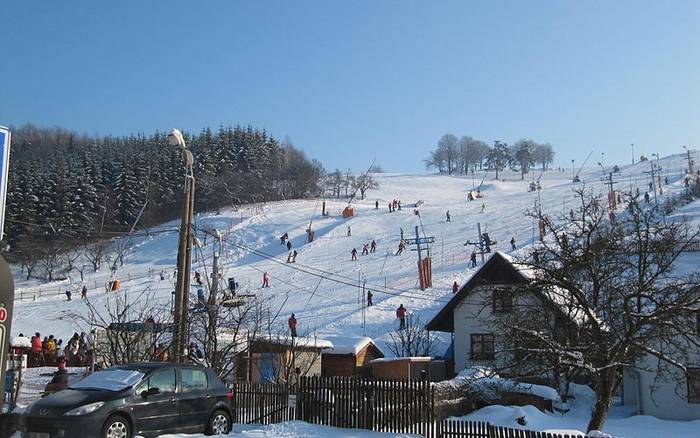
(149, 392)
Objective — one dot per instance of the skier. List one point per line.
(512, 243)
(399, 204)
(232, 285)
(284, 238)
(365, 249)
(373, 246)
(390, 210)
(448, 215)
(483, 207)
(401, 229)
(292, 321)
(83, 292)
(376, 205)
(353, 254)
(198, 278)
(646, 197)
(472, 258)
(289, 245)
(369, 298)
(455, 287)
(401, 315)
(487, 242)
(349, 231)
(68, 294)
(162, 275)
(266, 280)
(294, 256)
(289, 258)
(402, 246)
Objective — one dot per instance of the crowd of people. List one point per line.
(50, 351)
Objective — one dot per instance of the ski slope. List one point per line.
(322, 287)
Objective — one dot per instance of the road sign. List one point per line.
(7, 298)
(4, 170)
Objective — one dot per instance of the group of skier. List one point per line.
(366, 249)
(394, 205)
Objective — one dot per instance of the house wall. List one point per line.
(474, 316)
(393, 369)
(665, 398)
(338, 365)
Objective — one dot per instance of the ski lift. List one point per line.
(532, 187)
(113, 286)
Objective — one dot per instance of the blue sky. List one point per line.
(354, 80)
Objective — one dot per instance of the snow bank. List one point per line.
(488, 383)
(21, 342)
(298, 429)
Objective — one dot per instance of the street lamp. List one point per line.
(632, 153)
(573, 171)
(184, 252)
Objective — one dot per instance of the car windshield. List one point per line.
(111, 380)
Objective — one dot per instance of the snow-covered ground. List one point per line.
(619, 423)
(298, 429)
(322, 287)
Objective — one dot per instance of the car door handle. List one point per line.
(172, 399)
(208, 396)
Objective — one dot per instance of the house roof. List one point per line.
(350, 345)
(298, 342)
(498, 269)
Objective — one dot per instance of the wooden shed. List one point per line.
(408, 368)
(349, 356)
(348, 212)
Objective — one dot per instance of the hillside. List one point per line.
(321, 288)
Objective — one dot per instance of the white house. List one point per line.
(469, 315)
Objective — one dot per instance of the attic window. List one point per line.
(693, 385)
(482, 347)
(502, 301)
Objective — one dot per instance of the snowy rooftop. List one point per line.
(348, 344)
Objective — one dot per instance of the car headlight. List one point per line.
(85, 409)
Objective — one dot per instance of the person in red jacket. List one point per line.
(455, 287)
(292, 325)
(266, 280)
(37, 349)
(401, 315)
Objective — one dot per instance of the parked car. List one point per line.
(146, 399)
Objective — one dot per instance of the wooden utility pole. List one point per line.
(184, 266)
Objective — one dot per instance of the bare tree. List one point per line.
(615, 298)
(413, 340)
(96, 252)
(365, 182)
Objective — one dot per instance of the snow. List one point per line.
(322, 287)
(489, 382)
(618, 424)
(393, 359)
(21, 342)
(297, 342)
(347, 344)
(298, 429)
(113, 380)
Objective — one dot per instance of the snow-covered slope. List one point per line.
(321, 288)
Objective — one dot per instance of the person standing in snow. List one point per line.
(401, 230)
(284, 238)
(68, 294)
(646, 197)
(266, 280)
(455, 287)
(162, 275)
(401, 315)
(373, 246)
(447, 215)
(365, 249)
(512, 243)
(398, 203)
(198, 278)
(390, 210)
(402, 246)
(289, 245)
(292, 322)
(349, 231)
(83, 292)
(376, 205)
(483, 207)
(472, 258)
(294, 256)
(289, 258)
(353, 254)
(369, 298)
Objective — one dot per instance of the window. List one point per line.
(164, 380)
(193, 379)
(693, 385)
(482, 347)
(502, 301)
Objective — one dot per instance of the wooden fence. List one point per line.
(396, 406)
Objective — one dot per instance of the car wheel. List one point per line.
(219, 424)
(116, 426)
